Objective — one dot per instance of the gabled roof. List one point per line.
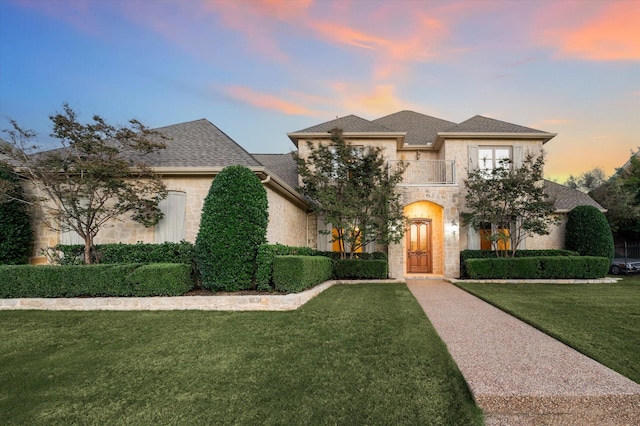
(421, 129)
(197, 143)
(349, 123)
(566, 199)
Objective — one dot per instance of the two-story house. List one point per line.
(438, 154)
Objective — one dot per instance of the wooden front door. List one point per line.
(419, 246)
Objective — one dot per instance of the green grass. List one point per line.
(358, 354)
(600, 320)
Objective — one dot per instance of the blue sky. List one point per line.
(261, 68)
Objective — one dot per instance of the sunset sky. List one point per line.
(258, 69)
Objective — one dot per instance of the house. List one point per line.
(438, 154)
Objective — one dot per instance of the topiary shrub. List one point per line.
(588, 232)
(232, 227)
(292, 274)
(16, 238)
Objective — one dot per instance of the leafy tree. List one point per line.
(512, 199)
(98, 175)
(354, 189)
(233, 225)
(16, 238)
(620, 195)
(587, 181)
(588, 232)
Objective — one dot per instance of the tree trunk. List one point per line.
(88, 243)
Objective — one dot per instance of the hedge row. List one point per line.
(182, 252)
(292, 274)
(268, 252)
(110, 280)
(541, 267)
(490, 254)
(361, 269)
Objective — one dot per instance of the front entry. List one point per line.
(419, 246)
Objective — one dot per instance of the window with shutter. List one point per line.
(171, 227)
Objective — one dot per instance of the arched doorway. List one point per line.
(424, 239)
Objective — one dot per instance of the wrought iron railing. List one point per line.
(436, 172)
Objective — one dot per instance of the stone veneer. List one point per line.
(287, 221)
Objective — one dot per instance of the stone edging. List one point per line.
(280, 302)
(606, 280)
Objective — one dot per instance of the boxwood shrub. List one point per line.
(113, 280)
(541, 267)
(361, 269)
(182, 252)
(264, 261)
(292, 274)
(490, 254)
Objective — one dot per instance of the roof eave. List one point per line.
(398, 136)
(544, 136)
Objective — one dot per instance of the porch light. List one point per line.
(453, 227)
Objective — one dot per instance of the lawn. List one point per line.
(357, 354)
(600, 320)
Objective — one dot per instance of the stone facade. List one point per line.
(287, 220)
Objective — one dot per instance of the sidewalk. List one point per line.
(519, 375)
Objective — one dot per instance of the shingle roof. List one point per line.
(349, 123)
(566, 198)
(282, 165)
(198, 143)
(480, 124)
(421, 129)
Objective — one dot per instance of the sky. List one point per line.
(259, 69)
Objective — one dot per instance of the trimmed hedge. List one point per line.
(490, 254)
(133, 279)
(361, 269)
(264, 261)
(182, 252)
(292, 274)
(542, 267)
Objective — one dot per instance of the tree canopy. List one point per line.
(354, 190)
(97, 175)
(512, 200)
(620, 195)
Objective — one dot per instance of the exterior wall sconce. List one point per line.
(418, 155)
(453, 227)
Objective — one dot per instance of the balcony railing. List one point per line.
(434, 172)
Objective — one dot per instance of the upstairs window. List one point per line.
(492, 157)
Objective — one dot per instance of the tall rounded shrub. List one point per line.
(16, 238)
(588, 232)
(232, 227)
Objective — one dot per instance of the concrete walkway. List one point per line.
(519, 375)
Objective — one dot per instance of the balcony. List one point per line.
(428, 172)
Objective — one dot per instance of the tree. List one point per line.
(233, 225)
(620, 195)
(512, 199)
(588, 232)
(96, 176)
(354, 189)
(587, 181)
(16, 238)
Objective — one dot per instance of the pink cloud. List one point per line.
(601, 31)
(266, 101)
